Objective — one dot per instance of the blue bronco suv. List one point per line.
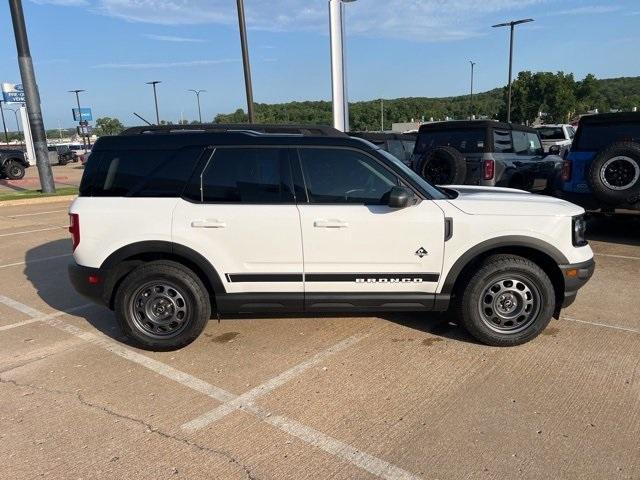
(602, 170)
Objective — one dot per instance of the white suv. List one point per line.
(173, 225)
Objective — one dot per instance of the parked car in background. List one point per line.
(61, 154)
(560, 135)
(400, 145)
(602, 170)
(484, 152)
(13, 164)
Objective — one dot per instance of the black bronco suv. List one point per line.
(400, 145)
(12, 164)
(485, 152)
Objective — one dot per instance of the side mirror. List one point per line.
(400, 197)
(554, 150)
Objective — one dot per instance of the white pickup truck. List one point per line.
(558, 134)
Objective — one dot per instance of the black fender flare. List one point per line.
(168, 248)
(495, 243)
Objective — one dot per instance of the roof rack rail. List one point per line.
(256, 128)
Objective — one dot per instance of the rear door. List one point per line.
(239, 212)
(359, 252)
(534, 171)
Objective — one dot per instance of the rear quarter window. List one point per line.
(594, 137)
(465, 140)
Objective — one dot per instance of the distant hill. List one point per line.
(612, 93)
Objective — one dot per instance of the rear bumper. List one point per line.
(575, 276)
(88, 282)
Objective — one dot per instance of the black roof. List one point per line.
(380, 137)
(450, 124)
(291, 129)
(161, 140)
(611, 117)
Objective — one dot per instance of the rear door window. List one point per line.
(465, 140)
(594, 137)
(526, 143)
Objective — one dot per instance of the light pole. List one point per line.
(198, 92)
(511, 26)
(4, 124)
(338, 67)
(381, 115)
(32, 97)
(15, 113)
(245, 61)
(155, 98)
(84, 140)
(473, 64)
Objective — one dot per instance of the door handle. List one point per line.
(330, 224)
(208, 224)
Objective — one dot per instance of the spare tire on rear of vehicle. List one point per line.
(443, 166)
(614, 176)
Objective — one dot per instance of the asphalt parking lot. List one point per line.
(398, 397)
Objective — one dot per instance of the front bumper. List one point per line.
(88, 282)
(575, 276)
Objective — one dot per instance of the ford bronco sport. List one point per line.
(173, 225)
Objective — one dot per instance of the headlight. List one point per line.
(579, 228)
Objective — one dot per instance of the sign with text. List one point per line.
(12, 93)
(83, 114)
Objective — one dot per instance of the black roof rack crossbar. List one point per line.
(256, 128)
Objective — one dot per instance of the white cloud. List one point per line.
(423, 20)
(589, 10)
(141, 66)
(170, 38)
(63, 3)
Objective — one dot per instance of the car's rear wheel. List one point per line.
(14, 170)
(508, 301)
(162, 305)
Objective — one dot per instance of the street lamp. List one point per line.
(84, 141)
(155, 98)
(338, 67)
(4, 124)
(245, 61)
(473, 64)
(198, 92)
(511, 25)
(15, 113)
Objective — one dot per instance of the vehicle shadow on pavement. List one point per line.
(621, 229)
(52, 285)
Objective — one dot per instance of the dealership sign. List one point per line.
(12, 93)
(82, 114)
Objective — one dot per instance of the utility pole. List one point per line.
(155, 98)
(84, 140)
(245, 61)
(338, 67)
(198, 92)
(511, 26)
(32, 97)
(4, 124)
(381, 115)
(471, 94)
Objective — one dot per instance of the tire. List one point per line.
(443, 166)
(512, 290)
(614, 176)
(176, 311)
(14, 170)
(62, 162)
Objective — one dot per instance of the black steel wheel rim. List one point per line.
(159, 309)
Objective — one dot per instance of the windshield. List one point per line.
(551, 133)
(434, 192)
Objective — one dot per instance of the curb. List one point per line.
(37, 200)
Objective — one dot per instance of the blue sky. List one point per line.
(395, 48)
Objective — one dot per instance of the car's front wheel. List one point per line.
(508, 301)
(14, 170)
(162, 305)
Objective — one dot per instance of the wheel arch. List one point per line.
(121, 262)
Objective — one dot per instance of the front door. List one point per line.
(354, 244)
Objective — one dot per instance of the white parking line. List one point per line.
(21, 307)
(37, 260)
(38, 318)
(34, 214)
(615, 327)
(30, 231)
(249, 397)
(611, 255)
(326, 443)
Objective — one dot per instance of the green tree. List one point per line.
(108, 126)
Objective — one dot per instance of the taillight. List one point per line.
(488, 169)
(74, 229)
(566, 171)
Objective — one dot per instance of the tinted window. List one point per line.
(572, 132)
(502, 141)
(551, 133)
(139, 173)
(245, 175)
(470, 140)
(345, 176)
(594, 137)
(526, 143)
